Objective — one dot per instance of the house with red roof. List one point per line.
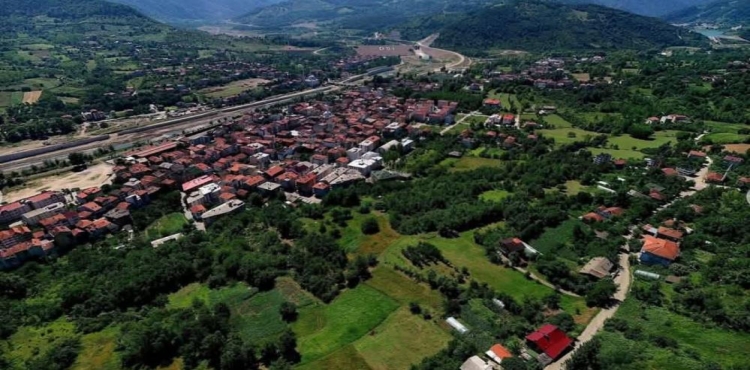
(12, 212)
(550, 340)
(659, 251)
(669, 234)
(498, 353)
(714, 177)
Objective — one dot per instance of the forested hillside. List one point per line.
(726, 12)
(644, 7)
(537, 25)
(356, 14)
(195, 10)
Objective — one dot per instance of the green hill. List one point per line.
(644, 7)
(357, 14)
(725, 12)
(195, 10)
(545, 26)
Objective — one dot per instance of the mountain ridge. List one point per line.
(177, 11)
(545, 26)
(724, 12)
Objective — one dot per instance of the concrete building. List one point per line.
(32, 218)
(222, 210)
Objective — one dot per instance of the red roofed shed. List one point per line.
(550, 340)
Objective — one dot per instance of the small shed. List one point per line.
(598, 267)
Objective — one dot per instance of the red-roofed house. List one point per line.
(593, 217)
(14, 235)
(196, 183)
(498, 353)
(669, 234)
(45, 198)
(714, 177)
(659, 251)
(13, 212)
(492, 103)
(273, 172)
(669, 171)
(550, 340)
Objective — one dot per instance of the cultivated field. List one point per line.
(737, 148)
(31, 97)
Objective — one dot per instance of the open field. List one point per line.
(553, 241)
(10, 98)
(403, 289)
(468, 163)
(725, 137)
(463, 252)
(29, 341)
(97, 175)
(167, 225)
(233, 88)
(494, 195)
(254, 314)
(323, 329)
(629, 142)
(98, 351)
(737, 148)
(726, 347)
(582, 77)
(413, 336)
(567, 135)
(557, 121)
(618, 153)
(32, 97)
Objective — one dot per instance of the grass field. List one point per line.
(629, 142)
(574, 187)
(725, 137)
(412, 336)
(354, 241)
(10, 98)
(463, 252)
(403, 289)
(505, 99)
(458, 129)
(558, 121)
(254, 314)
(553, 241)
(323, 329)
(233, 88)
(167, 225)
(468, 163)
(726, 347)
(30, 341)
(494, 195)
(567, 135)
(618, 153)
(98, 351)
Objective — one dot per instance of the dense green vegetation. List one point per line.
(540, 25)
(195, 11)
(366, 15)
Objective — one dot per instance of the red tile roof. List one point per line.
(501, 351)
(660, 247)
(672, 233)
(550, 340)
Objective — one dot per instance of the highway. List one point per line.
(173, 126)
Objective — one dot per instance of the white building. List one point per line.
(363, 166)
(354, 153)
